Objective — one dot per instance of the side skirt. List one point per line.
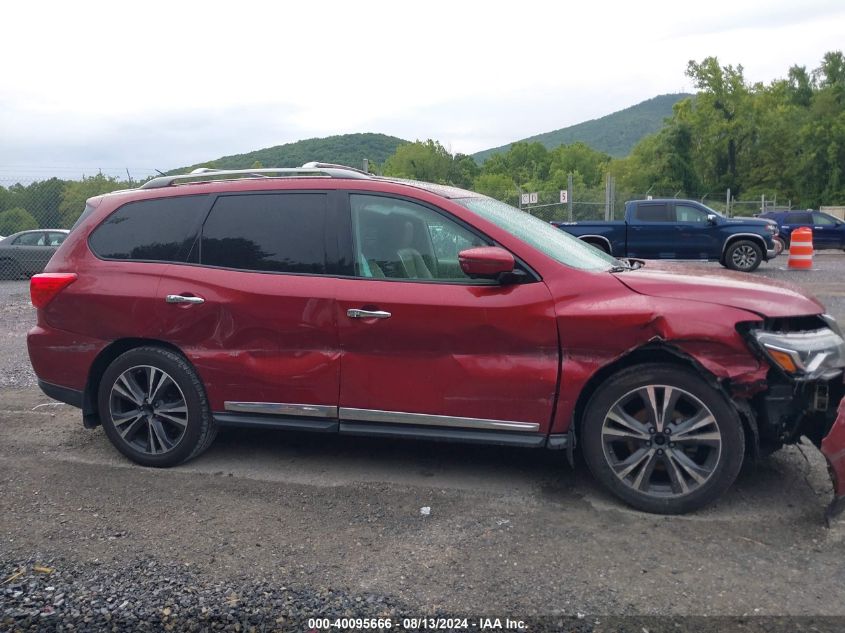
(436, 430)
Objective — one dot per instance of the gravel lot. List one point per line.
(267, 530)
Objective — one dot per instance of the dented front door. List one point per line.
(484, 352)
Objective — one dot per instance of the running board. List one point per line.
(240, 420)
(443, 434)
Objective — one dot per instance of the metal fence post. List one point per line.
(569, 194)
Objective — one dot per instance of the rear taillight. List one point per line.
(44, 287)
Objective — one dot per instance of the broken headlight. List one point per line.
(810, 355)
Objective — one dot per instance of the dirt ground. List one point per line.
(510, 532)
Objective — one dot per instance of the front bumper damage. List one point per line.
(833, 449)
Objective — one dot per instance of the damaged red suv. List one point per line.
(328, 300)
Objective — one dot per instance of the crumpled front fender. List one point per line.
(833, 449)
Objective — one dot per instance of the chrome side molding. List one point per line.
(425, 419)
(351, 415)
(282, 408)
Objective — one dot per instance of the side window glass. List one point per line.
(822, 220)
(55, 239)
(31, 239)
(797, 218)
(396, 239)
(162, 230)
(279, 232)
(652, 213)
(690, 214)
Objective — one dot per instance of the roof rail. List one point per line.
(318, 165)
(309, 170)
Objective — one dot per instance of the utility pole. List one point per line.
(728, 203)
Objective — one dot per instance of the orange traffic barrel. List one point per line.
(801, 249)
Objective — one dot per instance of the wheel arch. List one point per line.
(735, 237)
(599, 241)
(90, 410)
(664, 353)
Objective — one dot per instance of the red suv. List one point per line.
(328, 300)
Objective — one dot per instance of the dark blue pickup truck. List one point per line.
(681, 229)
(828, 231)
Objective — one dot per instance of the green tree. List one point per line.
(722, 117)
(76, 192)
(422, 160)
(579, 157)
(499, 186)
(17, 219)
(463, 171)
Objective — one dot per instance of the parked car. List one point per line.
(325, 299)
(681, 229)
(828, 231)
(26, 253)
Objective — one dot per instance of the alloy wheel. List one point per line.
(148, 409)
(661, 441)
(744, 256)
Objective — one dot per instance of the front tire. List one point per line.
(662, 439)
(744, 256)
(154, 409)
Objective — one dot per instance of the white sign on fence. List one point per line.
(564, 196)
(529, 198)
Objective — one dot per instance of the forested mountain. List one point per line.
(614, 134)
(344, 149)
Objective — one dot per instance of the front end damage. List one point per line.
(805, 389)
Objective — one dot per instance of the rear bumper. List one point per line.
(62, 358)
(72, 397)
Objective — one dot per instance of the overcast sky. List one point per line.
(145, 85)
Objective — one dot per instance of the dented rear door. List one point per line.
(255, 312)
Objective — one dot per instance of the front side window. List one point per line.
(161, 229)
(278, 232)
(55, 239)
(687, 213)
(823, 220)
(397, 239)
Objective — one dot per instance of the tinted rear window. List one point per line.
(797, 218)
(653, 213)
(282, 232)
(164, 229)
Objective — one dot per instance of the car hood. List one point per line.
(743, 220)
(765, 297)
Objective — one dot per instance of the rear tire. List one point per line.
(662, 439)
(743, 255)
(154, 409)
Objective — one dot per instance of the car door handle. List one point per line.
(183, 299)
(355, 313)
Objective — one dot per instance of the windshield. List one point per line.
(557, 244)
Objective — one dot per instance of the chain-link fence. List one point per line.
(31, 224)
(610, 205)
